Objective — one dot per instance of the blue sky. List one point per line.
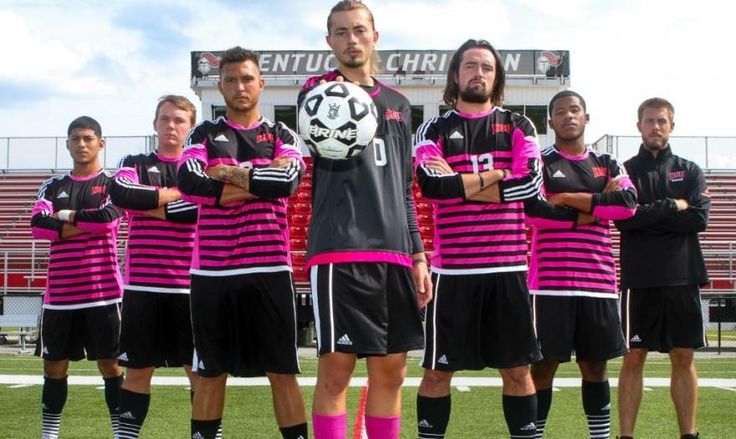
(111, 60)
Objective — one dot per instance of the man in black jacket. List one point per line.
(662, 269)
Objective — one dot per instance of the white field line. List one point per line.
(355, 382)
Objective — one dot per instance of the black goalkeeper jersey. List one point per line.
(362, 207)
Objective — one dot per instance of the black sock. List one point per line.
(597, 406)
(298, 431)
(205, 429)
(520, 413)
(690, 436)
(132, 413)
(544, 402)
(112, 398)
(433, 415)
(53, 398)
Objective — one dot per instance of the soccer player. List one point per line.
(478, 163)
(572, 277)
(239, 169)
(81, 306)
(364, 249)
(156, 329)
(662, 268)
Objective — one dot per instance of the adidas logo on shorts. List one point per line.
(127, 415)
(197, 435)
(200, 366)
(529, 426)
(45, 350)
(606, 407)
(344, 340)
(424, 424)
(443, 360)
(636, 339)
(123, 356)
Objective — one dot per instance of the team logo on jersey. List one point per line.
(98, 189)
(677, 176)
(600, 171)
(63, 194)
(558, 174)
(344, 340)
(221, 138)
(456, 135)
(501, 128)
(393, 115)
(265, 138)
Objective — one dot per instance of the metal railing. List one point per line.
(49, 153)
(709, 152)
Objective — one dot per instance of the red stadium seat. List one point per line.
(298, 244)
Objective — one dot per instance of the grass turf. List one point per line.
(477, 413)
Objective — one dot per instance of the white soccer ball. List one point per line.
(337, 120)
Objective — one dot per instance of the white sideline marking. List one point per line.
(357, 381)
(727, 388)
(463, 388)
(19, 386)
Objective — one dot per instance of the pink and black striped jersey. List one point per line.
(159, 252)
(244, 236)
(474, 237)
(569, 259)
(83, 270)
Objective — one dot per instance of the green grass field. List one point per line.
(476, 413)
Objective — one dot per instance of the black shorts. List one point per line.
(244, 325)
(660, 319)
(156, 330)
(590, 326)
(478, 321)
(365, 309)
(69, 334)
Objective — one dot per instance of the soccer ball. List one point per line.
(337, 120)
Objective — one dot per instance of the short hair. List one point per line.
(566, 94)
(179, 102)
(236, 55)
(452, 89)
(85, 122)
(656, 103)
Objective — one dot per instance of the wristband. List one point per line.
(482, 182)
(505, 173)
(64, 214)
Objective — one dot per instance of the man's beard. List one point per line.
(475, 95)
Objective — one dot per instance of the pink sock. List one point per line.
(383, 428)
(330, 427)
